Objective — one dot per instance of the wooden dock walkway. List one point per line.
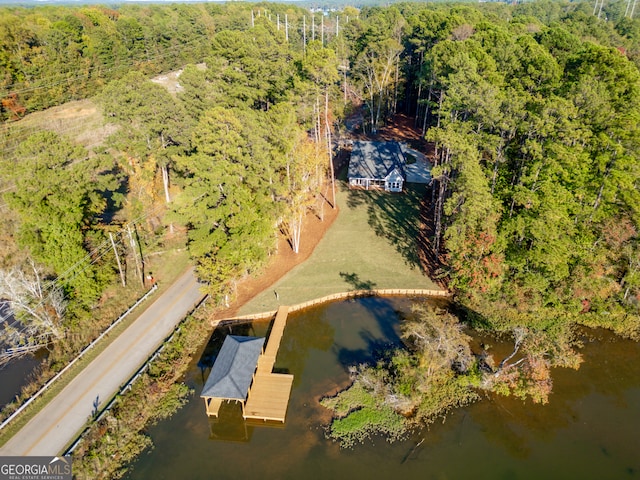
(268, 358)
(268, 396)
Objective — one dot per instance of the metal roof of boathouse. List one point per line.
(233, 370)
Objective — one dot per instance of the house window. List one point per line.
(395, 186)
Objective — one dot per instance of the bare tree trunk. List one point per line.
(304, 34)
(438, 214)
(295, 231)
(165, 181)
(395, 88)
(317, 119)
(519, 335)
(440, 106)
(415, 123)
(329, 146)
(426, 109)
(345, 85)
(378, 110)
(442, 190)
(134, 249)
(495, 169)
(596, 204)
(115, 251)
(373, 106)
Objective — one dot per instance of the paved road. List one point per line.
(60, 421)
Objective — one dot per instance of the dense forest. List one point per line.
(238, 155)
(532, 112)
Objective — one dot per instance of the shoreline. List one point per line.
(383, 292)
(280, 263)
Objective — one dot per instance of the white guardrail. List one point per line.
(52, 380)
(127, 386)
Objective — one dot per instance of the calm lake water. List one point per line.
(15, 375)
(589, 430)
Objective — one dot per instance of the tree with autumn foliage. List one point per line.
(411, 386)
(535, 191)
(306, 172)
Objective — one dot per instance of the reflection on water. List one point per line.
(588, 430)
(229, 426)
(16, 374)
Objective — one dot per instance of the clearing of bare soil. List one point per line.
(80, 120)
(401, 129)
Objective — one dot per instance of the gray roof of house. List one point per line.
(233, 369)
(375, 159)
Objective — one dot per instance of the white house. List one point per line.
(377, 165)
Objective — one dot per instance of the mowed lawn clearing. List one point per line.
(371, 245)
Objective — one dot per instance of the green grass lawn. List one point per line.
(371, 244)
